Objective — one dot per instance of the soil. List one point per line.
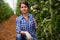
(8, 29)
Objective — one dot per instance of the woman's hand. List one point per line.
(28, 36)
(22, 32)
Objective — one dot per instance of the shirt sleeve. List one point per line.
(17, 26)
(35, 24)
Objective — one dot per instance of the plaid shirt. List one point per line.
(22, 24)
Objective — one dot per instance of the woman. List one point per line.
(25, 23)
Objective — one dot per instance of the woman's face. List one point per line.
(24, 8)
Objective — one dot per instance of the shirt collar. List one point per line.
(23, 17)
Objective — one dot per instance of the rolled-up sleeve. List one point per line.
(17, 26)
(34, 21)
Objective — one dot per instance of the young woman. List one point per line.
(25, 24)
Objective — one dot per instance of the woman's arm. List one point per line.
(17, 26)
(18, 30)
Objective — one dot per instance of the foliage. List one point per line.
(5, 11)
(47, 14)
(18, 8)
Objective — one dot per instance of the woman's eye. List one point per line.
(24, 7)
(21, 7)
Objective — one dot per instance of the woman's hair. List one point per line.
(24, 2)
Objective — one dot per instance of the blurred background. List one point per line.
(46, 13)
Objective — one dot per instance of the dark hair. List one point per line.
(24, 2)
